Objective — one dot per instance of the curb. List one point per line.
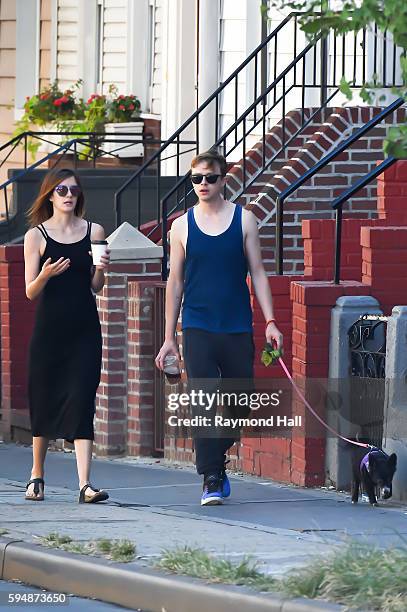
(143, 588)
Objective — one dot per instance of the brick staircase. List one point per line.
(313, 199)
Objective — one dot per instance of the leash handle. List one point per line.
(328, 427)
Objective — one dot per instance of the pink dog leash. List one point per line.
(328, 427)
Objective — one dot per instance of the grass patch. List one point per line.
(196, 562)
(357, 575)
(122, 551)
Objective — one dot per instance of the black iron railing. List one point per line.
(251, 71)
(88, 146)
(319, 65)
(367, 348)
(338, 203)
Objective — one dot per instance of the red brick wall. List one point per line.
(313, 200)
(17, 316)
(140, 367)
(392, 194)
(115, 305)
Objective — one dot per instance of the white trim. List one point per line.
(38, 47)
(178, 96)
(27, 50)
(137, 50)
(99, 51)
(87, 51)
(54, 40)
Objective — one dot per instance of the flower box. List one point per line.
(53, 141)
(124, 149)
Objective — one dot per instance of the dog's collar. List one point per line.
(365, 460)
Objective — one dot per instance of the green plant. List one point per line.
(357, 575)
(270, 355)
(68, 113)
(122, 551)
(121, 109)
(52, 104)
(196, 562)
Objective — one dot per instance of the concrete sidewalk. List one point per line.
(157, 506)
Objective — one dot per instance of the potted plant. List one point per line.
(123, 116)
(53, 110)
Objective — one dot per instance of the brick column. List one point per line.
(133, 257)
(312, 304)
(392, 194)
(384, 261)
(17, 317)
(140, 369)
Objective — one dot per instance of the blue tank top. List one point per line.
(216, 295)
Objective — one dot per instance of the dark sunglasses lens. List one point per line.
(61, 190)
(212, 178)
(196, 178)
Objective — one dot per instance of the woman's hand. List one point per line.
(49, 269)
(104, 260)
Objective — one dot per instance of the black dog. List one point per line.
(373, 470)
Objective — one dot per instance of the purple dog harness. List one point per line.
(365, 460)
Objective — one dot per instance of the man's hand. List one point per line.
(49, 269)
(274, 336)
(168, 348)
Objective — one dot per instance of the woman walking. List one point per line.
(66, 346)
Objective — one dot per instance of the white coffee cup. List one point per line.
(98, 249)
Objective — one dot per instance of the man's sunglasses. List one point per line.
(197, 179)
(62, 190)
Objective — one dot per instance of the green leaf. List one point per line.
(344, 87)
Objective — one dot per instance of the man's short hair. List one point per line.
(211, 157)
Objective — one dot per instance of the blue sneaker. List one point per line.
(226, 490)
(225, 485)
(212, 491)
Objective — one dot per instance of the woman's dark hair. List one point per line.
(42, 208)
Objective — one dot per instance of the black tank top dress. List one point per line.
(66, 347)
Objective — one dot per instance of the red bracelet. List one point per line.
(270, 321)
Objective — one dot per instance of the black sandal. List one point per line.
(39, 486)
(100, 495)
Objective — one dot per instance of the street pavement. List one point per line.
(156, 505)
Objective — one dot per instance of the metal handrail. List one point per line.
(174, 137)
(318, 166)
(338, 203)
(72, 143)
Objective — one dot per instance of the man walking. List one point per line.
(213, 247)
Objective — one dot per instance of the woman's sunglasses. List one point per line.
(62, 190)
(197, 179)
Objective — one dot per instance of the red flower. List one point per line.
(131, 107)
(121, 97)
(27, 98)
(64, 100)
(44, 96)
(57, 102)
(122, 108)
